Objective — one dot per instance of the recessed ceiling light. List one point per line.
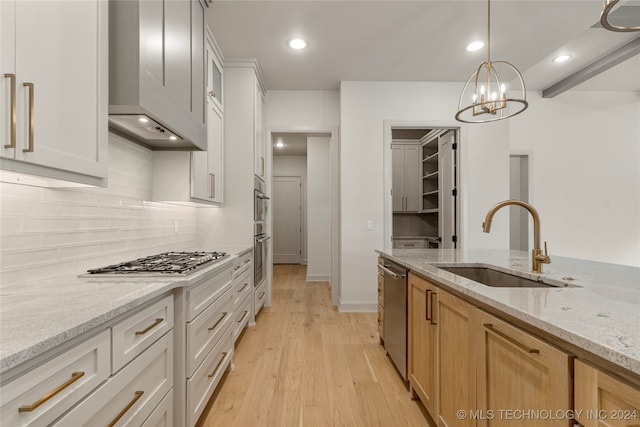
(473, 46)
(143, 120)
(279, 144)
(173, 137)
(561, 58)
(297, 44)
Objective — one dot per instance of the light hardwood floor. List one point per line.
(306, 364)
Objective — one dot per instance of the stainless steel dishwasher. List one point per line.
(395, 314)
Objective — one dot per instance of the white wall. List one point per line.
(303, 108)
(319, 208)
(295, 166)
(585, 172)
(484, 159)
(50, 232)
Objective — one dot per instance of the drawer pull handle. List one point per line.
(218, 322)
(247, 261)
(138, 395)
(75, 376)
(148, 328)
(12, 113)
(244, 316)
(243, 288)
(218, 365)
(523, 347)
(261, 295)
(237, 268)
(29, 149)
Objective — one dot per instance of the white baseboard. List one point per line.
(357, 306)
(318, 278)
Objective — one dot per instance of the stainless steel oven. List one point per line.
(261, 201)
(260, 246)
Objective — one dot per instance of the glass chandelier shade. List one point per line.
(487, 95)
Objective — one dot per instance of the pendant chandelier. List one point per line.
(604, 19)
(492, 99)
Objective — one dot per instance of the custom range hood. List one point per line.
(156, 73)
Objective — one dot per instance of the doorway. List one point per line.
(423, 186)
(287, 219)
(519, 190)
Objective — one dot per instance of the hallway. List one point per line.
(306, 364)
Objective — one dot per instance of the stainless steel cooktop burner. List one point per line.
(166, 263)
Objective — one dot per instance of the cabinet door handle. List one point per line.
(434, 305)
(218, 365)
(212, 93)
(523, 347)
(12, 77)
(244, 316)
(75, 376)
(243, 288)
(137, 396)
(261, 166)
(29, 149)
(148, 328)
(212, 185)
(427, 315)
(218, 322)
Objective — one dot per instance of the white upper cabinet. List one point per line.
(197, 177)
(259, 139)
(54, 89)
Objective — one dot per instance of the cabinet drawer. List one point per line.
(245, 261)
(131, 395)
(206, 329)
(242, 287)
(162, 416)
(241, 316)
(202, 295)
(136, 333)
(260, 297)
(64, 380)
(201, 386)
(409, 244)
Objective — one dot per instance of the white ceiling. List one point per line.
(419, 40)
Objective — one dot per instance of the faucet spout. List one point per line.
(537, 258)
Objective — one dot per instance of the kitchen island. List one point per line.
(554, 347)
(598, 311)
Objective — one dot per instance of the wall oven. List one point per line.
(261, 205)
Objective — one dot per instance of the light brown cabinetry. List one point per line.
(422, 342)
(464, 359)
(604, 401)
(518, 372)
(456, 369)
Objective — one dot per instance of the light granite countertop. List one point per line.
(38, 316)
(600, 314)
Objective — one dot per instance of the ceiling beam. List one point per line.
(603, 64)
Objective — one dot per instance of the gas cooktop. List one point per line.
(166, 263)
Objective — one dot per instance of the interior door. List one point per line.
(287, 219)
(447, 201)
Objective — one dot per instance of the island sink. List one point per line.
(498, 279)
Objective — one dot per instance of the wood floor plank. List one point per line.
(305, 364)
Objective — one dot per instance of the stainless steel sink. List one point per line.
(497, 279)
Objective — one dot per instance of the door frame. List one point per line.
(334, 148)
(388, 170)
